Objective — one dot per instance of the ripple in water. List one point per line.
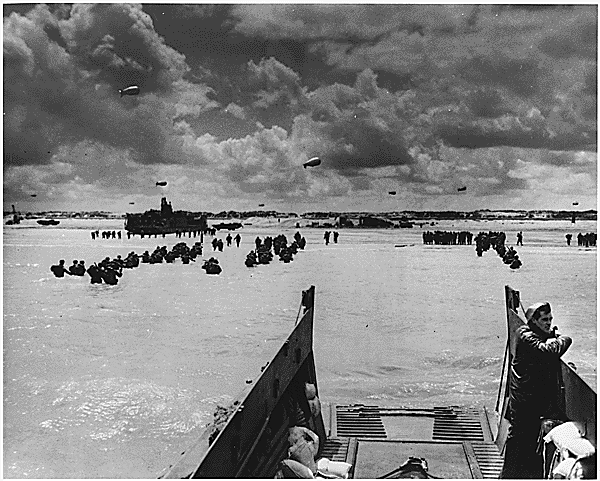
(116, 407)
(467, 362)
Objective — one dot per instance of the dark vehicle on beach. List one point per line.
(164, 221)
(48, 222)
(377, 441)
(228, 225)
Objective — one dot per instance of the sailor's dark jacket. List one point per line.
(534, 388)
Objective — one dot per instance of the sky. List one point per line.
(417, 99)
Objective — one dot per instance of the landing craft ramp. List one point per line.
(456, 442)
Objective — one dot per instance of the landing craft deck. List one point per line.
(455, 442)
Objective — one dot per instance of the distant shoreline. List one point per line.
(353, 216)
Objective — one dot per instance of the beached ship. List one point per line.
(164, 221)
(377, 441)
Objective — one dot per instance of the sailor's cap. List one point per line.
(531, 310)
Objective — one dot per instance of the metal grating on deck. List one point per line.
(336, 449)
(489, 459)
(359, 421)
(458, 424)
(452, 423)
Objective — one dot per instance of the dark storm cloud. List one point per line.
(363, 143)
(497, 61)
(580, 41)
(352, 23)
(119, 43)
(353, 127)
(429, 97)
(521, 76)
(63, 93)
(574, 161)
(206, 34)
(487, 103)
(511, 131)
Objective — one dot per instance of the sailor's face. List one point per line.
(544, 322)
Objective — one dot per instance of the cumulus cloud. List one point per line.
(119, 43)
(503, 55)
(557, 179)
(355, 127)
(192, 99)
(513, 131)
(424, 97)
(262, 162)
(235, 110)
(360, 22)
(60, 89)
(275, 91)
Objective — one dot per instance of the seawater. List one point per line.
(116, 381)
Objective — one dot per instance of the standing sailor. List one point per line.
(533, 391)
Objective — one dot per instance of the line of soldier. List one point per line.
(496, 240)
(483, 241)
(440, 237)
(96, 234)
(109, 271)
(190, 233)
(178, 234)
(106, 234)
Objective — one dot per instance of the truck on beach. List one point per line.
(252, 439)
(164, 221)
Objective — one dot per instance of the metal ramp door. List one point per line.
(351, 425)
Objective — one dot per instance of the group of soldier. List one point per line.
(179, 250)
(109, 271)
(263, 255)
(327, 235)
(440, 237)
(583, 240)
(217, 244)
(106, 271)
